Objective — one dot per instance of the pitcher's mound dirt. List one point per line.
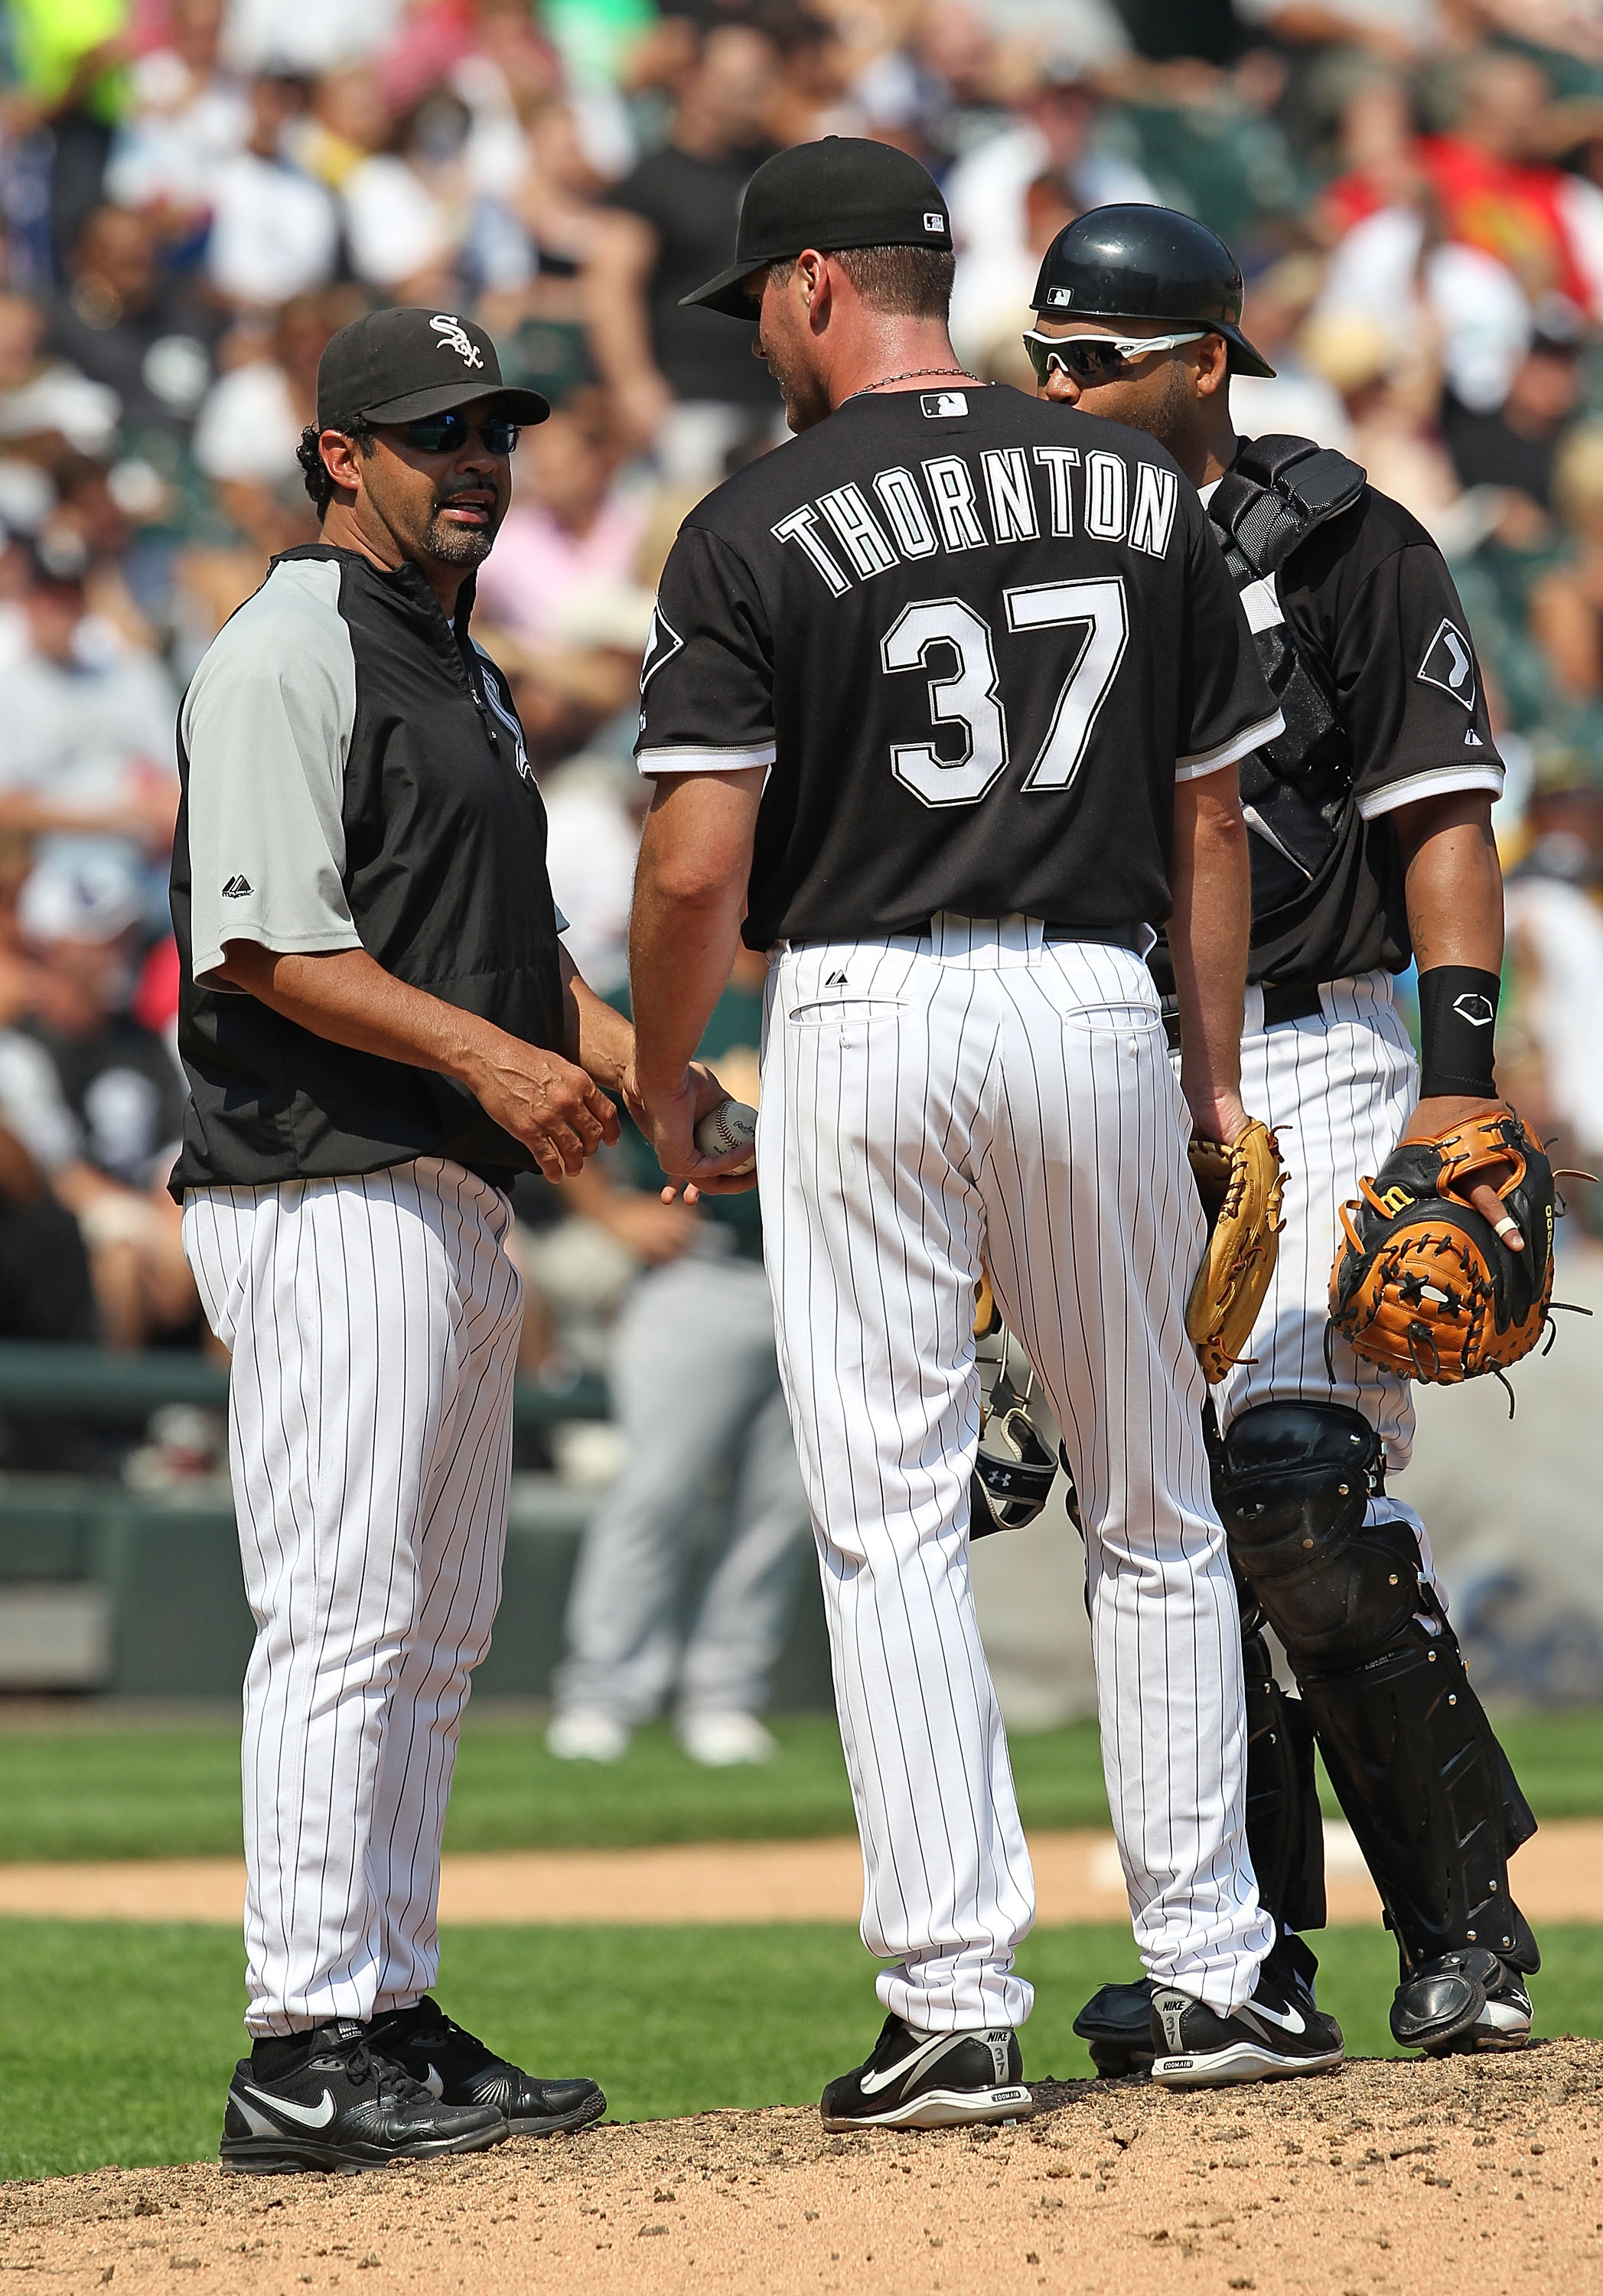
(1476, 2175)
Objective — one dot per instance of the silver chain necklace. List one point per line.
(913, 374)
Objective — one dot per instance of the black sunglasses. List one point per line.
(1098, 358)
(443, 434)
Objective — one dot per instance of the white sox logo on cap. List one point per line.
(456, 338)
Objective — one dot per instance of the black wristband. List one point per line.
(1458, 1016)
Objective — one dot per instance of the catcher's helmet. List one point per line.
(1017, 1463)
(1146, 263)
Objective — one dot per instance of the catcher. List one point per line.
(1372, 844)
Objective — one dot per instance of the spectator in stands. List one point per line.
(695, 1386)
(1566, 604)
(1053, 132)
(1395, 270)
(570, 523)
(45, 1290)
(250, 421)
(1513, 445)
(124, 321)
(988, 293)
(1397, 32)
(88, 761)
(67, 61)
(1297, 399)
(595, 807)
(186, 116)
(305, 36)
(121, 1091)
(1388, 396)
(1490, 184)
(1556, 959)
(275, 230)
(47, 402)
(684, 382)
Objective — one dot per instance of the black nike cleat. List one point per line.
(931, 2081)
(1463, 2001)
(458, 2070)
(325, 2100)
(1275, 2036)
(1116, 2025)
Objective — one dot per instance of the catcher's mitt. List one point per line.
(1425, 1287)
(1241, 1187)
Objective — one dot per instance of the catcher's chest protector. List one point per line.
(1296, 789)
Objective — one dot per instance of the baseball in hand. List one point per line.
(731, 1125)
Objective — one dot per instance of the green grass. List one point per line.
(116, 2041)
(175, 1793)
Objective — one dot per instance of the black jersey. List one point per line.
(978, 639)
(1373, 613)
(354, 776)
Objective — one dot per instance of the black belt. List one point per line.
(1282, 1001)
(1285, 1002)
(1136, 939)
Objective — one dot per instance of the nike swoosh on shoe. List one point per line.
(433, 2084)
(1289, 2022)
(870, 2083)
(310, 2116)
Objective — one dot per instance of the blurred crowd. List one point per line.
(195, 194)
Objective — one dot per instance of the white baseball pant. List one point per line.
(1338, 1087)
(694, 1385)
(925, 1098)
(373, 1326)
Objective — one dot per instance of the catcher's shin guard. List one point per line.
(1409, 1750)
(1285, 1833)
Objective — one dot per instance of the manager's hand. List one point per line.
(552, 1107)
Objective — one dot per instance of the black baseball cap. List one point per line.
(843, 191)
(395, 366)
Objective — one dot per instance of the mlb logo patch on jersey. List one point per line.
(1450, 663)
(937, 403)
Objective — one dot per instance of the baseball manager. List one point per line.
(379, 1027)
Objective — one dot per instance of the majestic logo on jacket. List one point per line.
(456, 338)
(1450, 663)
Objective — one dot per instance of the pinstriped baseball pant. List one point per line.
(1338, 1087)
(925, 1099)
(373, 1326)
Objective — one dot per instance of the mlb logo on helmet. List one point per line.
(933, 222)
(1060, 295)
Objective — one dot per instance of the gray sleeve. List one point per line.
(267, 727)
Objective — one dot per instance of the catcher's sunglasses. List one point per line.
(1098, 358)
(443, 434)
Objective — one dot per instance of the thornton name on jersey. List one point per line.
(974, 640)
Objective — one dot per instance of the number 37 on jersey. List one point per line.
(951, 608)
